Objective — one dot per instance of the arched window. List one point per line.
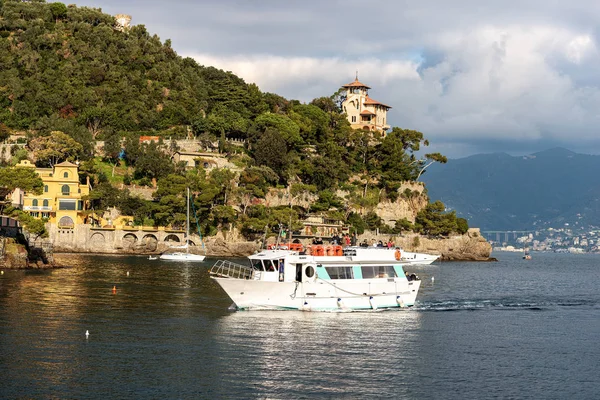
(65, 190)
(34, 203)
(66, 175)
(45, 188)
(66, 222)
(45, 203)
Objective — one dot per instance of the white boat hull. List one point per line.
(182, 257)
(321, 295)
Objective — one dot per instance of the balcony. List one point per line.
(37, 208)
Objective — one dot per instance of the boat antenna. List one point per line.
(198, 225)
(278, 237)
(264, 241)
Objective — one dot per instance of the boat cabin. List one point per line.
(286, 266)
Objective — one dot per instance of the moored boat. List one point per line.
(329, 279)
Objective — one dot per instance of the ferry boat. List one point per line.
(330, 278)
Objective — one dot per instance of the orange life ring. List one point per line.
(338, 250)
(329, 251)
(398, 255)
(318, 250)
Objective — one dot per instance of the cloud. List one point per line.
(473, 76)
(495, 83)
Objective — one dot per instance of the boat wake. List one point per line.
(503, 304)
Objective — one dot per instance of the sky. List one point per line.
(474, 76)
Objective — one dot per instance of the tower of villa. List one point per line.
(362, 111)
(123, 22)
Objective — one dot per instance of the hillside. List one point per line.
(71, 63)
(72, 76)
(501, 192)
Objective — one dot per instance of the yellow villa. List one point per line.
(61, 201)
(362, 111)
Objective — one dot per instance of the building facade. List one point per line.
(62, 198)
(362, 111)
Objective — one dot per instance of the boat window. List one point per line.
(379, 271)
(340, 272)
(257, 265)
(270, 265)
(309, 271)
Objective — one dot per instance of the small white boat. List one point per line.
(329, 279)
(418, 258)
(152, 258)
(181, 255)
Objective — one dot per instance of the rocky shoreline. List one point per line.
(468, 247)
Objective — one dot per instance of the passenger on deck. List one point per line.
(364, 243)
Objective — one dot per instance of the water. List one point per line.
(512, 329)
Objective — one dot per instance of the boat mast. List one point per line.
(187, 224)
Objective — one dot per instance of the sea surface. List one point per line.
(512, 329)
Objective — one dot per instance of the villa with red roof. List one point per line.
(362, 111)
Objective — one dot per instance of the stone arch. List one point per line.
(191, 242)
(97, 241)
(129, 240)
(66, 222)
(366, 128)
(172, 238)
(150, 242)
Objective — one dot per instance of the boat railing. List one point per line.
(228, 269)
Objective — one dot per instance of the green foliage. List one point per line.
(402, 225)
(357, 223)
(20, 177)
(288, 129)
(55, 148)
(59, 10)
(153, 162)
(462, 226)
(35, 226)
(372, 220)
(271, 150)
(327, 200)
(433, 221)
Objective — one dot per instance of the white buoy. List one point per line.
(372, 302)
(127, 273)
(1, 272)
(87, 334)
(432, 279)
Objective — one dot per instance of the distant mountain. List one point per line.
(502, 192)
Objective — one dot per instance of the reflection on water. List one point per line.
(167, 333)
(302, 354)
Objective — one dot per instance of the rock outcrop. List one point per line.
(16, 256)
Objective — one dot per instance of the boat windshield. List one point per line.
(380, 271)
(270, 265)
(257, 265)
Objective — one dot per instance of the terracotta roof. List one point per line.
(375, 102)
(356, 83)
(367, 112)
